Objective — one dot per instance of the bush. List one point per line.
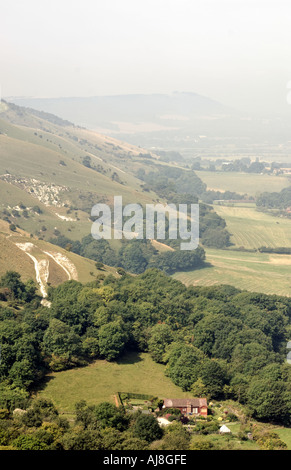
(99, 265)
(269, 440)
(172, 418)
(198, 443)
(4, 413)
(232, 417)
(206, 428)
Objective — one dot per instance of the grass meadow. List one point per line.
(98, 382)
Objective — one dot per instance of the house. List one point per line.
(188, 406)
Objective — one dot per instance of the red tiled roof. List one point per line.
(179, 402)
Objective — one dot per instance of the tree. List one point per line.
(268, 400)
(184, 363)
(12, 280)
(202, 443)
(104, 415)
(61, 345)
(248, 359)
(176, 438)
(22, 373)
(29, 291)
(99, 265)
(161, 337)
(112, 340)
(109, 416)
(134, 443)
(29, 442)
(12, 397)
(82, 440)
(147, 428)
(132, 258)
(87, 161)
(213, 376)
(199, 389)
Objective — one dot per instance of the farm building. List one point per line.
(189, 406)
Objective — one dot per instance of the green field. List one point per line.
(250, 228)
(98, 382)
(244, 183)
(255, 272)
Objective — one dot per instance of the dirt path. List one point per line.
(67, 219)
(109, 164)
(41, 267)
(163, 245)
(65, 264)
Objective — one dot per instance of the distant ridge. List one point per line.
(104, 111)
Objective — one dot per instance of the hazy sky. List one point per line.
(235, 51)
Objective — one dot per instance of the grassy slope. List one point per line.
(31, 148)
(13, 258)
(101, 380)
(31, 160)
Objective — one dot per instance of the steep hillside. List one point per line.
(53, 172)
(63, 170)
(79, 162)
(47, 264)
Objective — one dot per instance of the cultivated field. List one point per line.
(244, 183)
(252, 229)
(255, 272)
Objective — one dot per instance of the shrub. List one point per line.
(4, 413)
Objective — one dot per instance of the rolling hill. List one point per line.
(51, 174)
(189, 123)
(71, 158)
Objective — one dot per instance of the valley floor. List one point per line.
(255, 272)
